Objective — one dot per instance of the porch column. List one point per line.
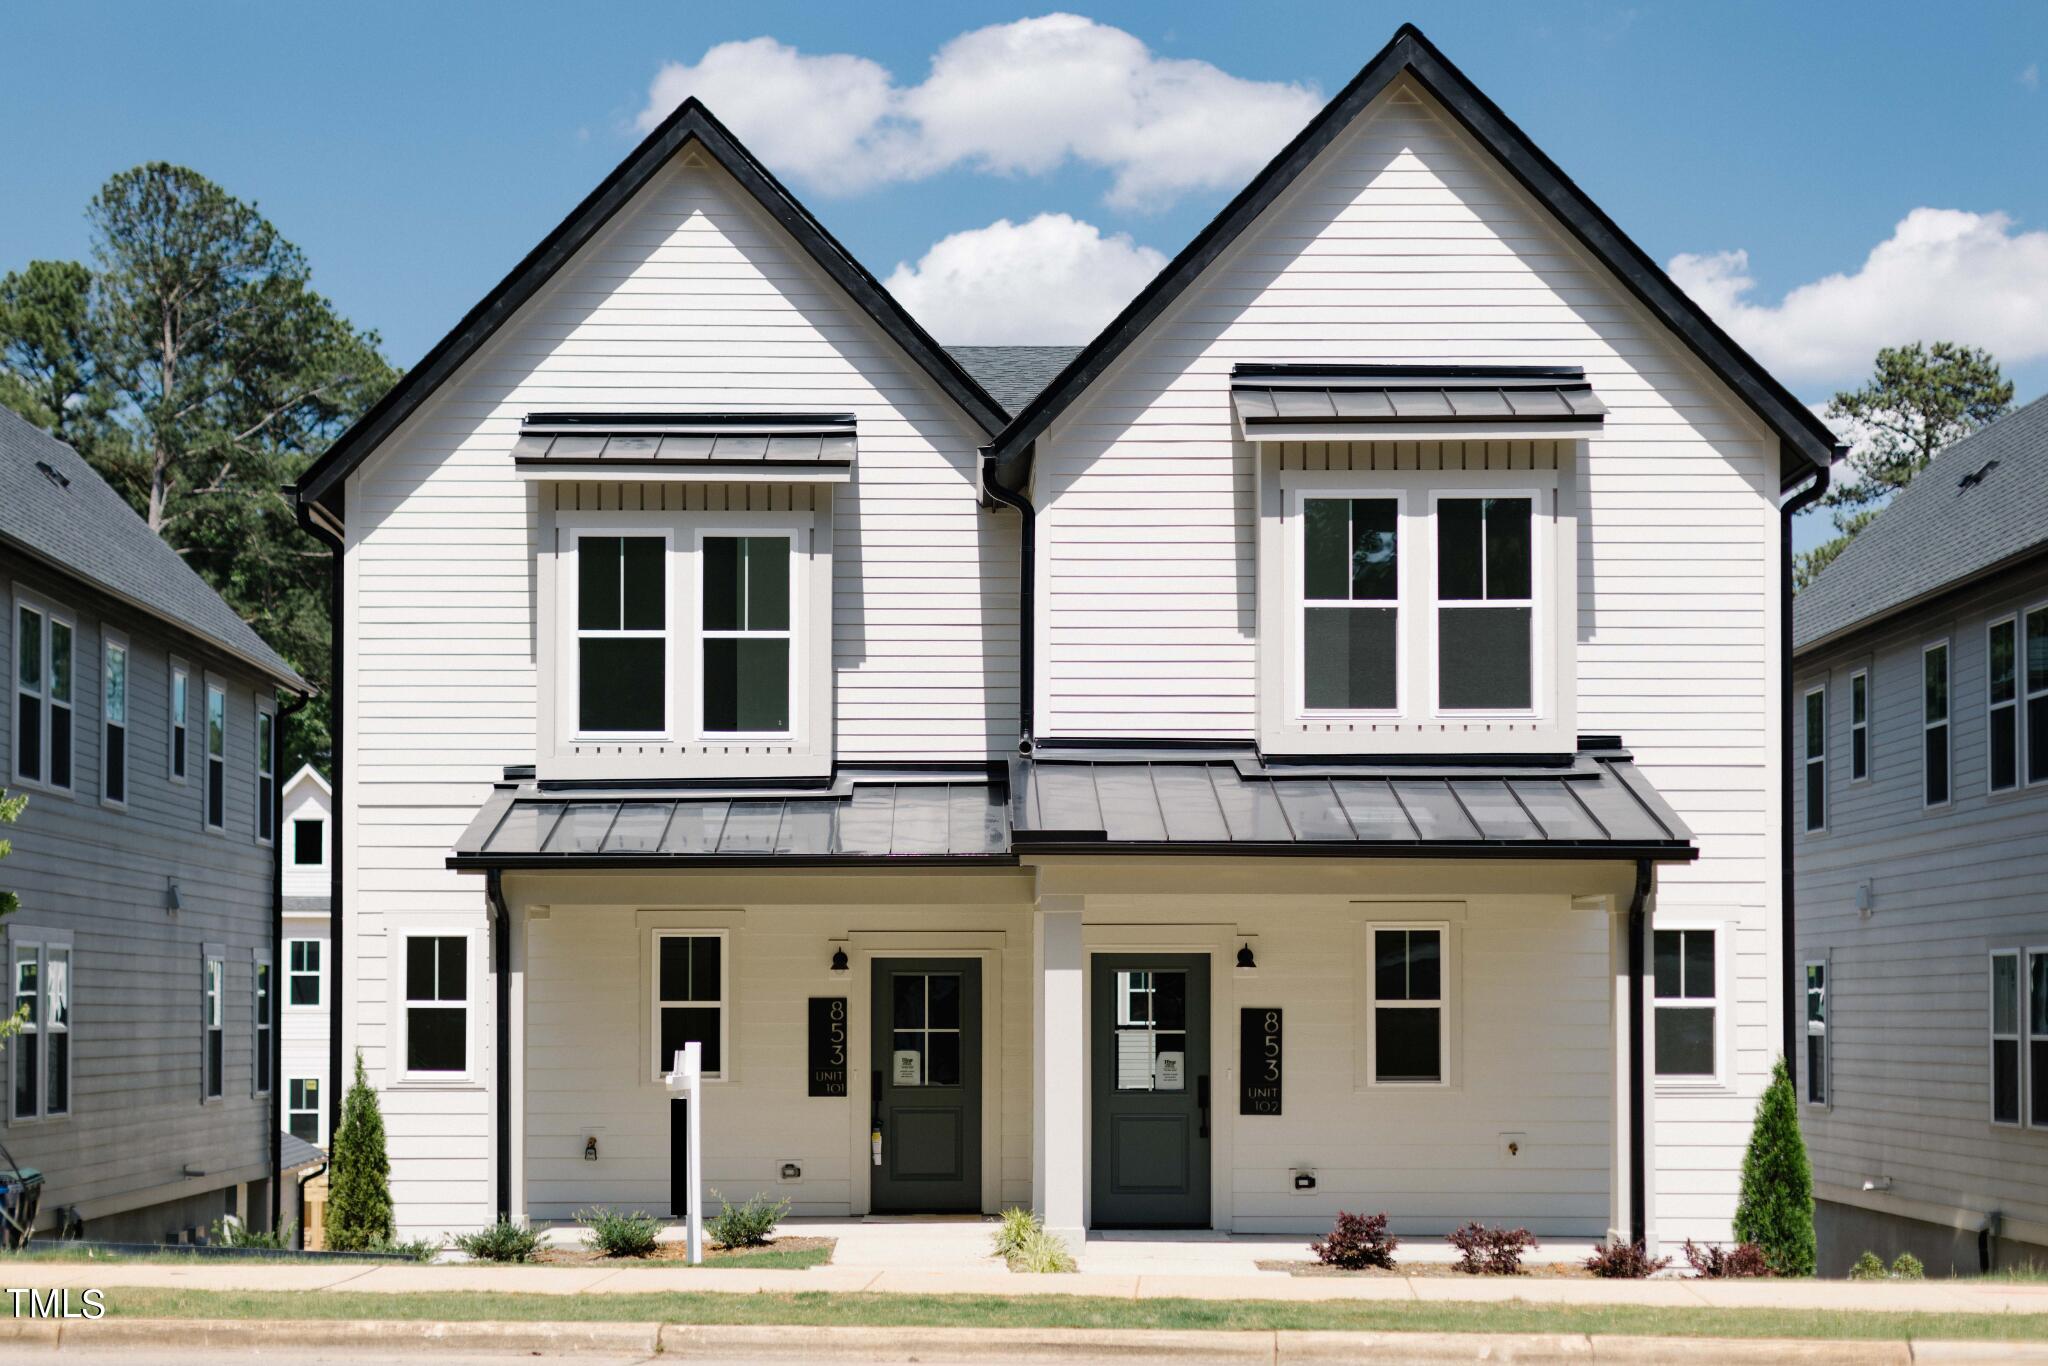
(516, 929)
(1059, 1077)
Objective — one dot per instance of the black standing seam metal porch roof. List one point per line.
(1594, 806)
(685, 440)
(1271, 398)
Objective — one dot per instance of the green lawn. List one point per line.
(817, 1307)
(762, 1259)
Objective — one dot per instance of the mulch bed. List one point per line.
(679, 1251)
(1541, 1270)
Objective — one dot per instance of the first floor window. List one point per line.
(42, 696)
(1351, 604)
(309, 842)
(1816, 759)
(114, 730)
(266, 773)
(216, 757)
(41, 1052)
(302, 1109)
(2037, 1038)
(1817, 1033)
(1686, 1003)
(1485, 617)
(621, 635)
(264, 1019)
(689, 997)
(302, 972)
(1934, 723)
(213, 1026)
(1408, 1018)
(2005, 1037)
(437, 1003)
(746, 615)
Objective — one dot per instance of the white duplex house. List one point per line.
(1319, 745)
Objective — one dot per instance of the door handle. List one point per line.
(1202, 1099)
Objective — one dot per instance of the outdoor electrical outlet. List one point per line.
(792, 1173)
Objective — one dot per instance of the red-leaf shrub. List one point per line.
(1722, 1263)
(1491, 1251)
(1358, 1241)
(1624, 1262)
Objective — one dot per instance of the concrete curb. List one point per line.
(401, 1335)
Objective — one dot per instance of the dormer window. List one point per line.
(621, 635)
(746, 635)
(1485, 608)
(1351, 604)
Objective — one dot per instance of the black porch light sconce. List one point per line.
(839, 960)
(590, 1148)
(1245, 961)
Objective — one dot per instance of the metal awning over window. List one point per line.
(1431, 403)
(757, 447)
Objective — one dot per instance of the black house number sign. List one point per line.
(828, 1046)
(1261, 1060)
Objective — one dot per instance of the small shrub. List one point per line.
(748, 1226)
(239, 1234)
(1624, 1262)
(1013, 1226)
(620, 1235)
(1042, 1253)
(1907, 1267)
(1869, 1267)
(1491, 1251)
(1358, 1241)
(415, 1249)
(1726, 1263)
(503, 1241)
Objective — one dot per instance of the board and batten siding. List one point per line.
(1909, 983)
(691, 298)
(1403, 244)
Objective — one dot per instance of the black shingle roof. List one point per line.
(78, 524)
(1940, 530)
(1013, 375)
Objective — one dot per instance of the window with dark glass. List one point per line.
(302, 972)
(1351, 609)
(1151, 1029)
(57, 1030)
(1485, 606)
(114, 724)
(266, 774)
(689, 999)
(1934, 723)
(2005, 1037)
(2037, 1039)
(2037, 695)
(924, 1024)
(302, 1109)
(264, 1021)
(621, 634)
(42, 697)
(1817, 759)
(309, 842)
(214, 985)
(1817, 1033)
(24, 1050)
(2002, 703)
(216, 757)
(1407, 1005)
(1859, 726)
(1686, 1003)
(436, 1003)
(181, 703)
(746, 634)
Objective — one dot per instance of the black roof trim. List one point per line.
(1311, 370)
(628, 421)
(1039, 842)
(691, 122)
(557, 863)
(1805, 442)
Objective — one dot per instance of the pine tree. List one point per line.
(359, 1178)
(1776, 1208)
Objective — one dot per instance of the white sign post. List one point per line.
(687, 1081)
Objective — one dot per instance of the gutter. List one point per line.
(1788, 919)
(1026, 592)
(1638, 1099)
(277, 969)
(501, 965)
(325, 530)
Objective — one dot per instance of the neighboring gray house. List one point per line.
(1921, 700)
(140, 718)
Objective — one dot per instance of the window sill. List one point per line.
(1703, 1086)
(432, 1082)
(47, 789)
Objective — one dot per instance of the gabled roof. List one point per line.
(1982, 504)
(690, 123)
(1805, 443)
(308, 773)
(56, 508)
(1014, 374)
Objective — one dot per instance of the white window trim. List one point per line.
(212, 1003)
(572, 630)
(1299, 496)
(1947, 722)
(110, 641)
(1542, 530)
(726, 1071)
(319, 976)
(1446, 988)
(475, 987)
(318, 1110)
(266, 811)
(1993, 1037)
(694, 634)
(43, 940)
(2017, 704)
(259, 959)
(322, 821)
(51, 613)
(1808, 759)
(1825, 1032)
(1722, 1001)
(179, 670)
(209, 686)
(1860, 676)
(2027, 699)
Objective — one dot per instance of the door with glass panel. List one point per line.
(925, 1086)
(1151, 1107)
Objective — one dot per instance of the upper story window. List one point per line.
(216, 757)
(1351, 604)
(745, 682)
(1859, 725)
(309, 842)
(1934, 723)
(181, 712)
(266, 773)
(1816, 759)
(622, 627)
(1486, 607)
(114, 722)
(43, 640)
(2036, 679)
(302, 972)
(2002, 702)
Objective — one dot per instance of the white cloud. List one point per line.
(2030, 76)
(1022, 98)
(1943, 275)
(1051, 280)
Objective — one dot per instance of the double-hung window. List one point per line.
(302, 1109)
(302, 972)
(1687, 1006)
(2002, 702)
(745, 680)
(114, 721)
(264, 1008)
(2037, 1038)
(42, 696)
(1408, 1026)
(41, 1052)
(1816, 759)
(2005, 1036)
(1485, 607)
(1934, 760)
(181, 711)
(1351, 604)
(213, 1028)
(216, 757)
(1859, 725)
(689, 998)
(622, 646)
(2036, 672)
(1817, 1033)
(266, 773)
(436, 1005)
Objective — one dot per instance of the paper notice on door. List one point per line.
(1134, 1059)
(1172, 1072)
(909, 1069)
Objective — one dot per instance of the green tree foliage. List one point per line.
(10, 902)
(195, 366)
(359, 1176)
(1919, 399)
(1775, 1210)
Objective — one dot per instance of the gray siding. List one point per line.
(137, 1123)
(1910, 981)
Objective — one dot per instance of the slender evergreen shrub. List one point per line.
(1775, 1210)
(359, 1174)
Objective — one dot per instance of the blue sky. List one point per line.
(416, 151)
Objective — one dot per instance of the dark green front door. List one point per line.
(1149, 1042)
(926, 1086)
